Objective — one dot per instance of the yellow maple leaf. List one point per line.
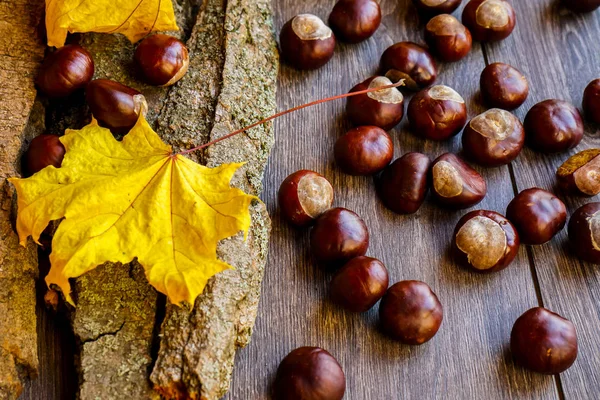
(133, 18)
(133, 198)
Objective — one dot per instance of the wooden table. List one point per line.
(468, 359)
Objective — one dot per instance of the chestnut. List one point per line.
(503, 86)
(403, 185)
(411, 62)
(584, 232)
(66, 70)
(543, 341)
(553, 126)
(580, 174)
(431, 8)
(162, 59)
(115, 106)
(359, 284)
(309, 373)
(489, 20)
(306, 42)
(365, 150)
(410, 312)
(44, 150)
(303, 196)
(455, 183)
(493, 138)
(383, 108)
(447, 38)
(355, 20)
(537, 214)
(485, 241)
(437, 113)
(582, 6)
(338, 236)
(591, 101)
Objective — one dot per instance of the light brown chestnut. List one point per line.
(382, 108)
(503, 86)
(411, 62)
(364, 150)
(455, 183)
(404, 184)
(489, 20)
(447, 38)
(303, 196)
(580, 174)
(306, 42)
(584, 232)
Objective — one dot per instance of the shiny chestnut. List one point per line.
(359, 284)
(430, 8)
(44, 150)
(410, 312)
(437, 113)
(485, 241)
(591, 101)
(309, 373)
(447, 38)
(365, 150)
(355, 20)
(411, 62)
(543, 341)
(584, 232)
(493, 138)
(303, 196)
(580, 174)
(455, 183)
(162, 59)
(382, 108)
(503, 86)
(553, 126)
(66, 70)
(489, 20)
(582, 6)
(306, 42)
(404, 184)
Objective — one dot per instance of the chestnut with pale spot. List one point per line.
(553, 126)
(430, 8)
(382, 108)
(304, 196)
(162, 59)
(455, 184)
(580, 174)
(489, 20)
(306, 42)
(447, 38)
(503, 86)
(411, 62)
(584, 232)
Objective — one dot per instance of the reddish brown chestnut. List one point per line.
(411, 62)
(543, 341)
(365, 150)
(447, 38)
(584, 232)
(162, 59)
(437, 113)
(489, 20)
(493, 138)
(503, 86)
(382, 108)
(359, 284)
(306, 42)
(67, 69)
(580, 174)
(338, 236)
(537, 214)
(355, 20)
(309, 373)
(553, 126)
(591, 101)
(303, 196)
(582, 6)
(403, 185)
(410, 312)
(436, 7)
(485, 241)
(44, 150)
(455, 183)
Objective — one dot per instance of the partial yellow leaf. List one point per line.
(129, 199)
(133, 18)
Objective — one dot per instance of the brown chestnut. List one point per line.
(359, 284)
(489, 20)
(493, 138)
(338, 236)
(537, 214)
(383, 108)
(303, 196)
(410, 312)
(553, 126)
(591, 101)
(543, 341)
(162, 59)
(584, 232)
(485, 241)
(67, 69)
(455, 183)
(365, 150)
(437, 113)
(447, 38)
(306, 42)
(582, 6)
(580, 174)
(44, 150)
(309, 373)
(355, 20)
(411, 62)
(436, 7)
(403, 185)
(503, 86)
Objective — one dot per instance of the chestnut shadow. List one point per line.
(536, 384)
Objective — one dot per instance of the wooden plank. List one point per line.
(560, 53)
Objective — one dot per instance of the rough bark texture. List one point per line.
(21, 52)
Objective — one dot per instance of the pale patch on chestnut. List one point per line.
(388, 96)
(494, 124)
(446, 180)
(587, 178)
(442, 92)
(483, 241)
(315, 194)
(433, 3)
(594, 223)
(445, 25)
(310, 27)
(180, 73)
(492, 14)
(140, 106)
